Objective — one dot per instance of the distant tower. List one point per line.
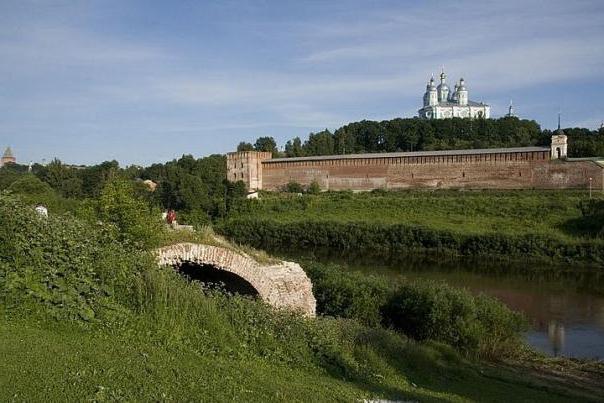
(462, 93)
(443, 88)
(8, 157)
(510, 110)
(559, 143)
(431, 95)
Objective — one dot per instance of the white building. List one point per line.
(440, 103)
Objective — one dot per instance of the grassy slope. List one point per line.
(513, 212)
(70, 364)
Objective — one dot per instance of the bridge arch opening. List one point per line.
(280, 284)
(214, 277)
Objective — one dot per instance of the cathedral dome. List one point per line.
(431, 86)
(462, 86)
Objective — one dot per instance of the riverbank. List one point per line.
(51, 362)
(86, 314)
(530, 224)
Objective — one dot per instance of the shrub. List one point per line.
(426, 311)
(314, 188)
(63, 266)
(435, 311)
(391, 239)
(348, 295)
(135, 220)
(32, 190)
(592, 220)
(293, 187)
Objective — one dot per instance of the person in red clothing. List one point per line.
(171, 217)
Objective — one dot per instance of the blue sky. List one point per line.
(148, 81)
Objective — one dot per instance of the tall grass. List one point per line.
(517, 224)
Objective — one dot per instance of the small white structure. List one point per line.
(252, 195)
(41, 210)
(440, 103)
(559, 144)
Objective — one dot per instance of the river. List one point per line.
(564, 304)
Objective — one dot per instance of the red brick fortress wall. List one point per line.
(529, 167)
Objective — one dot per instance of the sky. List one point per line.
(148, 81)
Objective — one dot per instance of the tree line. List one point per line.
(196, 188)
(401, 135)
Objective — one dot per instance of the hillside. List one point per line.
(85, 314)
(539, 224)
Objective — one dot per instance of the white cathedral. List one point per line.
(439, 103)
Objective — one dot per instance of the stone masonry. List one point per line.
(282, 285)
(504, 168)
(246, 166)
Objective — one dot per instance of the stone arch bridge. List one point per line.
(282, 285)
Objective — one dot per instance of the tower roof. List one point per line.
(8, 153)
(559, 131)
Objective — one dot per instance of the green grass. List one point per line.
(52, 362)
(512, 224)
(477, 212)
(87, 315)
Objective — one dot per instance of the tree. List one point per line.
(267, 144)
(234, 191)
(243, 146)
(95, 177)
(135, 220)
(62, 178)
(294, 148)
(321, 143)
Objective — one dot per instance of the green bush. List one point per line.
(592, 219)
(32, 191)
(314, 188)
(435, 311)
(426, 311)
(118, 204)
(509, 224)
(293, 187)
(348, 295)
(64, 266)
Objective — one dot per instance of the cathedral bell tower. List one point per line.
(431, 95)
(443, 88)
(462, 93)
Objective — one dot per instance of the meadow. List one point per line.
(528, 223)
(85, 314)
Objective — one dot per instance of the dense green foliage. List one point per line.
(348, 294)
(514, 224)
(196, 188)
(584, 142)
(136, 221)
(293, 187)
(130, 330)
(70, 268)
(592, 220)
(439, 134)
(434, 311)
(34, 191)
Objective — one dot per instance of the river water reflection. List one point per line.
(564, 305)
